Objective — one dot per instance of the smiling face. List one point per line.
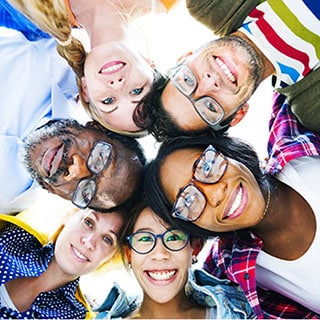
(57, 158)
(87, 240)
(227, 69)
(116, 79)
(234, 202)
(161, 273)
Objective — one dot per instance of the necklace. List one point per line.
(267, 204)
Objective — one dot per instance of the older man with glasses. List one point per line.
(88, 165)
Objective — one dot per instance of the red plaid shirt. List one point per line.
(288, 138)
(234, 256)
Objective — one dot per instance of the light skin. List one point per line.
(87, 240)
(227, 69)
(163, 298)
(283, 234)
(58, 160)
(116, 75)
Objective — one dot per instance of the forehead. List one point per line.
(148, 220)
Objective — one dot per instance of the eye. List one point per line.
(88, 222)
(108, 100)
(209, 105)
(108, 240)
(145, 239)
(136, 91)
(188, 80)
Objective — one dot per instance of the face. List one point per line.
(87, 240)
(227, 70)
(58, 160)
(161, 273)
(116, 79)
(233, 202)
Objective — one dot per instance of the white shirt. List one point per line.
(36, 86)
(297, 279)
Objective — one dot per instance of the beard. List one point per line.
(55, 128)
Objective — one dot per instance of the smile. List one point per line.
(225, 70)
(237, 205)
(51, 160)
(161, 275)
(112, 67)
(79, 255)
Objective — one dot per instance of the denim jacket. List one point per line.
(202, 288)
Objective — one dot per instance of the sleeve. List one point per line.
(221, 16)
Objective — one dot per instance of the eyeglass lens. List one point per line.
(97, 161)
(190, 201)
(207, 107)
(144, 242)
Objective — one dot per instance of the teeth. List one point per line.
(112, 68)
(236, 203)
(225, 69)
(162, 275)
(79, 254)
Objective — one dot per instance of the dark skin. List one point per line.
(283, 233)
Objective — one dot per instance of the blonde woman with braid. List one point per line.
(113, 76)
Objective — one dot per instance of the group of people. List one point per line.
(203, 184)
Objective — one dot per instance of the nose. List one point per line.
(160, 251)
(77, 169)
(215, 193)
(209, 82)
(88, 241)
(117, 82)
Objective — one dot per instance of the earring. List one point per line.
(194, 259)
(129, 265)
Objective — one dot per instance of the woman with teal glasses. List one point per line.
(265, 225)
(161, 258)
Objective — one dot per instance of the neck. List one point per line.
(283, 234)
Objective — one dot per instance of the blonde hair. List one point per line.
(52, 17)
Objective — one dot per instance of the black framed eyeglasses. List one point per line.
(98, 160)
(207, 107)
(208, 169)
(144, 242)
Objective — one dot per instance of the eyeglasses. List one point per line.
(97, 161)
(207, 107)
(144, 242)
(190, 201)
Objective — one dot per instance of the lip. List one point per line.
(161, 277)
(51, 159)
(112, 67)
(78, 255)
(228, 73)
(237, 203)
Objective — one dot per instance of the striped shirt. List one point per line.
(288, 34)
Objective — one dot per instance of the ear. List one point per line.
(184, 56)
(84, 90)
(239, 115)
(128, 254)
(197, 245)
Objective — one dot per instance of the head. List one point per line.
(87, 240)
(112, 77)
(159, 254)
(209, 88)
(85, 164)
(219, 188)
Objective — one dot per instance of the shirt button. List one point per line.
(246, 276)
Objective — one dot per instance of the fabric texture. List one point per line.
(223, 298)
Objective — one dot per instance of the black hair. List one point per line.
(234, 148)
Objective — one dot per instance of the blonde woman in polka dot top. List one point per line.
(39, 278)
